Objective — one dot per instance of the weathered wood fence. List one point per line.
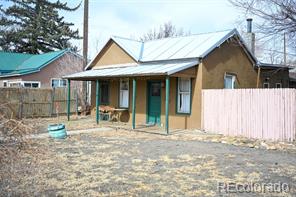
(37, 102)
(253, 113)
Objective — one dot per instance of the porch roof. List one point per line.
(133, 70)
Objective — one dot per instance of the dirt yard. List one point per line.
(129, 163)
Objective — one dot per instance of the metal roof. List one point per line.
(144, 69)
(182, 47)
(271, 65)
(14, 64)
(176, 48)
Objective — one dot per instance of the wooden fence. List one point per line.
(37, 102)
(253, 113)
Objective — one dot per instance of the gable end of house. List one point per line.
(111, 53)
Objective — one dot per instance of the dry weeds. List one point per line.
(119, 166)
(125, 163)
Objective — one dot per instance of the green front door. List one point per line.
(154, 102)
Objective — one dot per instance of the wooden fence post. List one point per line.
(69, 100)
(21, 103)
(52, 101)
(76, 100)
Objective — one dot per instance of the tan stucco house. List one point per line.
(160, 82)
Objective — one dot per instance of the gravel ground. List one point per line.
(122, 163)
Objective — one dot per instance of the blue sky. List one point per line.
(132, 18)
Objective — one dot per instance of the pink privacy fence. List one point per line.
(253, 113)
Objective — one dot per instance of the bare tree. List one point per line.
(278, 16)
(164, 31)
(71, 63)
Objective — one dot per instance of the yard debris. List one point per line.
(87, 122)
(12, 133)
(14, 144)
(236, 141)
(124, 163)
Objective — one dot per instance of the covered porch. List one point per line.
(142, 91)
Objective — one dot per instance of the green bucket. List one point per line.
(57, 131)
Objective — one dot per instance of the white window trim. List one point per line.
(267, 85)
(60, 79)
(22, 83)
(178, 93)
(5, 82)
(233, 78)
(120, 106)
(278, 84)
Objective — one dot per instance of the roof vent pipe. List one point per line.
(250, 36)
(249, 25)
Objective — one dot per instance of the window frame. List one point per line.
(22, 83)
(5, 83)
(14, 82)
(268, 85)
(59, 86)
(233, 79)
(278, 84)
(119, 93)
(177, 96)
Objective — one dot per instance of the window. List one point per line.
(25, 84)
(184, 95)
(265, 85)
(124, 93)
(4, 83)
(14, 84)
(278, 85)
(56, 83)
(30, 84)
(155, 89)
(104, 92)
(229, 81)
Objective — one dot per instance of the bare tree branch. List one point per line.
(278, 16)
(164, 31)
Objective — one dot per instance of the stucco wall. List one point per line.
(112, 54)
(228, 58)
(176, 120)
(209, 74)
(67, 64)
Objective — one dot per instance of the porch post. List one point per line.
(68, 99)
(97, 101)
(167, 100)
(134, 104)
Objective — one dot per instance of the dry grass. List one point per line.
(88, 122)
(127, 163)
(14, 145)
(103, 165)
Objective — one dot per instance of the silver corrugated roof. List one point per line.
(181, 47)
(176, 48)
(192, 46)
(145, 69)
